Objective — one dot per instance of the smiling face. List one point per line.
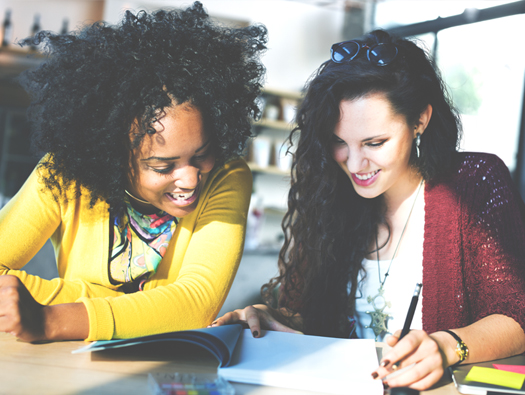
(372, 144)
(172, 165)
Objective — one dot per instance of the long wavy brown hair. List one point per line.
(328, 227)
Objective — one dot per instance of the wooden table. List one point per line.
(51, 369)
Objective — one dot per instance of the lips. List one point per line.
(367, 176)
(182, 199)
(182, 196)
(365, 179)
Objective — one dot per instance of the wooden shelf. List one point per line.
(271, 184)
(15, 60)
(282, 93)
(283, 105)
(20, 51)
(275, 124)
(268, 170)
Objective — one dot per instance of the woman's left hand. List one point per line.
(418, 351)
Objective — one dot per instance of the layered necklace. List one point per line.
(379, 319)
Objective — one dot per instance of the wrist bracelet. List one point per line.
(461, 347)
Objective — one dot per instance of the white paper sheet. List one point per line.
(321, 364)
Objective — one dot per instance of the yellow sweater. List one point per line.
(192, 280)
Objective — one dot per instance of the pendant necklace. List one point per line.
(379, 319)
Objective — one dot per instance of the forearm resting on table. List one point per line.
(493, 337)
(68, 321)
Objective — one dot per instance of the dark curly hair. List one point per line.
(329, 228)
(97, 82)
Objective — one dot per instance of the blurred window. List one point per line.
(390, 13)
(483, 66)
(485, 78)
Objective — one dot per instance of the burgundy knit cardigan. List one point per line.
(474, 246)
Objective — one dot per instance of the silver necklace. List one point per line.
(378, 318)
(136, 198)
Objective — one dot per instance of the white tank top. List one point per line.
(406, 271)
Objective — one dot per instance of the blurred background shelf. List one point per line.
(270, 169)
(274, 124)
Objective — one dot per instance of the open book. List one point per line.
(314, 363)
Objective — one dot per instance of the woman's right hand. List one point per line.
(257, 317)
(22, 316)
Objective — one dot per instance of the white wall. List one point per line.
(300, 35)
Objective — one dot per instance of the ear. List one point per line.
(132, 171)
(424, 119)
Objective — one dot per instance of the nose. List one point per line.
(187, 177)
(356, 161)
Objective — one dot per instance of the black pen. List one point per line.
(410, 315)
(411, 311)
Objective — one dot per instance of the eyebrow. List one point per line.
(174, 157)
(372, 138)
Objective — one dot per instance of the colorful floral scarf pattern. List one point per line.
(139, 243)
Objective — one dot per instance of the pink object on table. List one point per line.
(510, 368)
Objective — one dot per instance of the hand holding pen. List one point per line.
(414, 348)
(410, 316)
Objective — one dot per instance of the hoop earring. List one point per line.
(136, 198)
(418, 143)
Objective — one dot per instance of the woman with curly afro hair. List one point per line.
(141, 190)
(381, 201)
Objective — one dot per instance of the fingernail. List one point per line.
(385, 363)
(255, 333)
(374, 375)
(385, 385)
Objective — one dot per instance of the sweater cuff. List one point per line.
(101, 324)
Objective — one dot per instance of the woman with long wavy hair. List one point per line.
(141, 189)
(381, 200)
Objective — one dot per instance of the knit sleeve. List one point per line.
(493, 227)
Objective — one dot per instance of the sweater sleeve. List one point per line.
(196, 273)
(494, 241)
(28, 220)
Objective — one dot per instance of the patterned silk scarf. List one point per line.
(139, 243)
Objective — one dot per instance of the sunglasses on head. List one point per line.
(379, 54)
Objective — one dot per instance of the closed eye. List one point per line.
(337, 140)
(163, 170)
(376, 144)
